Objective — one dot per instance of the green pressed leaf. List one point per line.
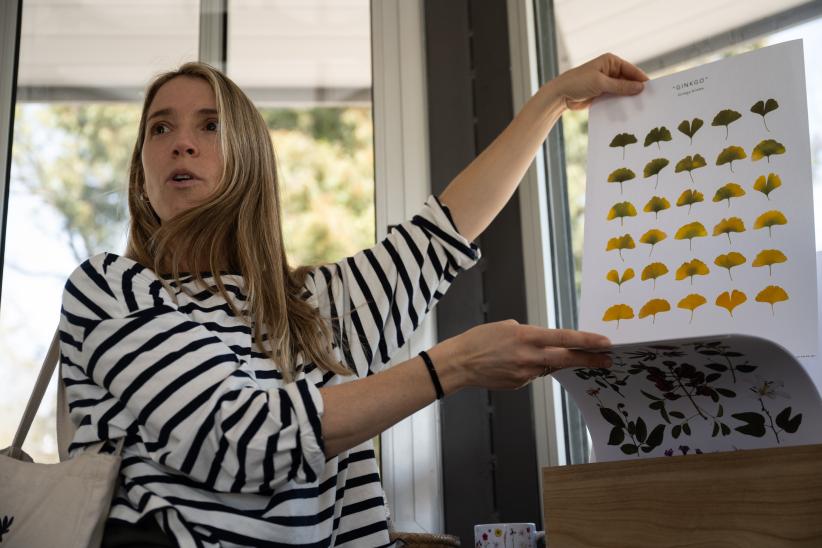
(641, 430)
(729, 155)
(656, 435)
(653, 168)
(620, 175)
(728, 191)
(766, 149)
(675, 431)
(656, 204)
(690, 128)
(621, 210)
(656, 135)
(617, 436)
(629, 449)
(766, 186)
(623, 140)
(690, 163)
(763, 108)
(754, 424)
(611, 416)
(689, 198)
(726, 118)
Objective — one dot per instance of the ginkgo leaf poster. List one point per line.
(699, 206)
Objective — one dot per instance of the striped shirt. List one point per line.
(217, 447)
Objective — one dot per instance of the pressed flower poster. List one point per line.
(698, 211)
(699, 262)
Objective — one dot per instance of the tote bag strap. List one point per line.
(52, 357)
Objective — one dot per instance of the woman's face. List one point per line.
(182, 159)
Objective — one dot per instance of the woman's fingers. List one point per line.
(566, 338)
(562, 358)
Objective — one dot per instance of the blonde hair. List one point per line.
(239, 222)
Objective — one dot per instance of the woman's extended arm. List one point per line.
(479, 192)
(502, 355)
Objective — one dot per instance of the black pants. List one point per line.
(146, 533)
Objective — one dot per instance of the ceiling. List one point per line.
(293, 49)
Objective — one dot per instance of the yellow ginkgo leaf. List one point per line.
(655, 205)
(731, 300)
(620, 176)
(654, 307)
(621, 210)
(769, 257)
(620, 242)
(618, 312)
(613, 276)
(728, 191)
(766, 186)
(726, 226)
(730, 260)
(766, 149)
(772, 294)
(691, 231)
(692, 268)
(730, 155)
(692, 302)
(770, 219)
(689, 198)
(652, 237)
(654, 271)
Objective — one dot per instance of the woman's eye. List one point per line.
(159, 129)
(212, 126)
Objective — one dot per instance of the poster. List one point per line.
(699, 206)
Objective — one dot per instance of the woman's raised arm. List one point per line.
(479, 192)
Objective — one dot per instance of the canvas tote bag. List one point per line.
(64, 504)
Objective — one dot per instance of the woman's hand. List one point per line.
(507, 355)
(605, 74)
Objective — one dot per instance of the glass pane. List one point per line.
(82, 70)
(575, 125)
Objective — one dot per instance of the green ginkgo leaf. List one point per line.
(766, 186)
(766, 149)
(726, 118)
(655, 205)
(729, 155)
(763, 108)
(689, 198)
(690, 128)
(620, 175)
(690, 163)
(623, 140)
(656, 135)
(622, 210)
(653, 168)
(728, 191)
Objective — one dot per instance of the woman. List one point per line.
(244, 389)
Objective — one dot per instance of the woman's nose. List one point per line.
(185, 145)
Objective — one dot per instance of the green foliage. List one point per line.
(623, 140)
(656, 135)
(766, 149)
(690, 163)
(726, 118)
(653, 168)
(729, 155)
(763, 108)
(690, 128)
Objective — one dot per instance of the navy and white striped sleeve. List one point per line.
(377, 298)
(135, 365)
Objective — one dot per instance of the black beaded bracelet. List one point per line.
(433, 372)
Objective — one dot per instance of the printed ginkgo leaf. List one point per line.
(770, 219)
(731, 300)
(692, 302)
(613, 276)
(689, 198)
(729, 155)
(728, 191)
(653, 168)
(764, 107)
(730, 260)
(619, 243)
(654, 307)
(621, 210)
(623, 140)
(618, 312)
(690, 163)
(652, 237)
(690, 128)
(656, 204)
(656, 135)
(772, 294)
(621, 175)
(692, 268)
(726, 118)
(726, 226)
(766, 149)
(766, 186)
(654, 271)
(769, 257)
(691, 231)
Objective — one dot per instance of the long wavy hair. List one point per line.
(240, 223)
